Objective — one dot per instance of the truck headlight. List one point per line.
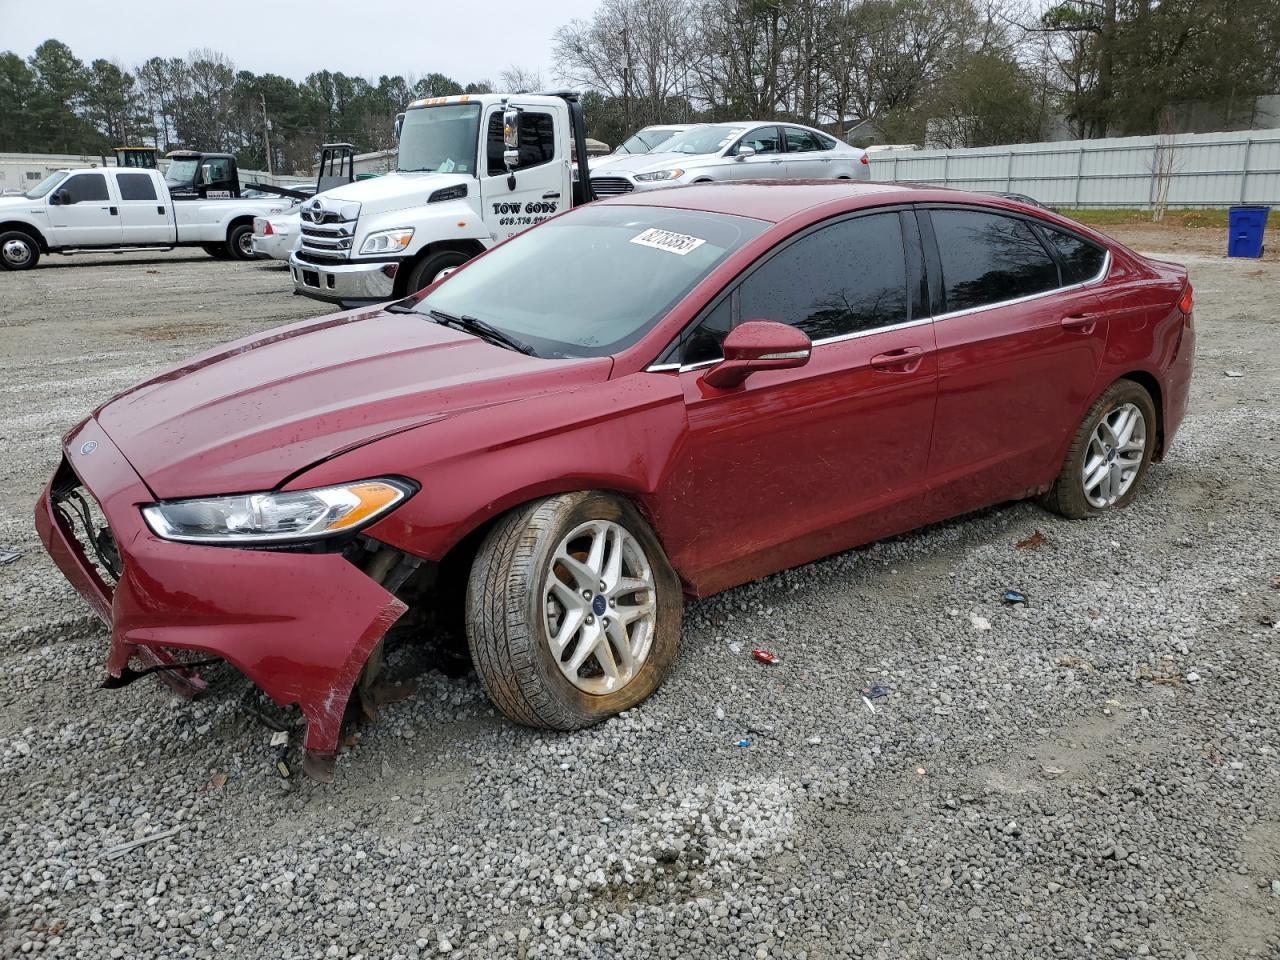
(387, 241)
(673, 174)
(280, 517)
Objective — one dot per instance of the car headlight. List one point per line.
(673, 174)
(387, 241)
(282, 517)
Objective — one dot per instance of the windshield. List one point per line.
(182, 171)
(594, 281)
(710, 139)
(440, 139)
(645, 141)
(45, 185)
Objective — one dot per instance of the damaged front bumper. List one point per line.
(299, 625)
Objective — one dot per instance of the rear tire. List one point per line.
(216, 250)
(428, 270)
(18, 250)
(1108, 456)
(240, 242)
(554, 646)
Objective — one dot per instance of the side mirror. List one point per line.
(745, 151)
(61, 197)
(758, 345)
(511, 137)
(399, 124)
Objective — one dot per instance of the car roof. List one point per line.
(775, 200)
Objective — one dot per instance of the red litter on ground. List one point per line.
(764, 656)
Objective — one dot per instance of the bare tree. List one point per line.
(517, 79)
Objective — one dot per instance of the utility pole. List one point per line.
(626, 82)
(266, 135)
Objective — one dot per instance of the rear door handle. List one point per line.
(1084, 322)
(160, 210)
(904, 360)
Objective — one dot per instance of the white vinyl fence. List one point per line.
(1203, 170)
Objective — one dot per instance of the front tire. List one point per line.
(1109, 454)
(216, 250)
(18, 250)
(573, 611)
(430, 268)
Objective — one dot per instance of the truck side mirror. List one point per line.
(511, 137)
(399, 124)
(61, 197)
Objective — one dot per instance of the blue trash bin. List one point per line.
(1245, 227)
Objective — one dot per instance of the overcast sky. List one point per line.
(466, 41)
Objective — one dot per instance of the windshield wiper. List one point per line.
(414, 170)
(484, 331)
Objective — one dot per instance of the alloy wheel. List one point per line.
(599, 607)
(1115, 455)
(16, 252)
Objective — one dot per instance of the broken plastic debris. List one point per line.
(979, 622)
(8, 556)
(875, 691)
(217, 781)
(280, 738)
(1033, 542)
(1235, 373)
(764, 656)
(919, 771)
(1011, 597)
(719, 713)
(744, 742)
(870, 705)
(282, 768)
(120, 850)
(1049, 771)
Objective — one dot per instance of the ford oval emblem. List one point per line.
(88, 447)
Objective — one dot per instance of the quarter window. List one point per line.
(537, 141)
(1080, 260)
(86, 187)
(135, 186)
(988, 259)
(845, 278)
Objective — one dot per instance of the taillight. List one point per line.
(266, 229)
(864, 161)
(1188, 300)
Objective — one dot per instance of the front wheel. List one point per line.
(432, 268)
(216, 250)
(1109, 454)
(573, 611)
(18, 250)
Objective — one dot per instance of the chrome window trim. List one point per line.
(1096, 278)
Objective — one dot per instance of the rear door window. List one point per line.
(801, 141)
(1079, 259)
(86, 187)
(135, 186)
(988, 259)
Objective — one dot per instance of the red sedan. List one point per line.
(649, 398)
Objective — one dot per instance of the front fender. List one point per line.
(449, 220)
(614, 435)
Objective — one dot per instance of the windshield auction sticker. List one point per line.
(677, 243)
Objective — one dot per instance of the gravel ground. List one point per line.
(1092, 775)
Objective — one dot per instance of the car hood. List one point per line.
(640, 162)
(394, 191)
(248, 415)
(18, 204)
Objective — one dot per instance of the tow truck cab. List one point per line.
(471, 171)
(193, 174)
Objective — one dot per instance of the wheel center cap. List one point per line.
(599, 604)
(1111, 454)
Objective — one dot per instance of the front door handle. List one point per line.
(551, 195)
(903, 360)
(1084, 322)
(160, 210)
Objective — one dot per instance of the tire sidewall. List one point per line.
(1125, 391)
(422, 275)
(233, 242)
(590, 708)
(32, 246)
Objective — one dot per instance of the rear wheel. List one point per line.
(18, 250)
(1109, 454)
(432, 268)
(240, 242)
(573, 612)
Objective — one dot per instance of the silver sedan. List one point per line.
(735, 151)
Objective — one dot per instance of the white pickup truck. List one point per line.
(471, 171)
(113, 208)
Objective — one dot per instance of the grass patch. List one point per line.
(1216, 219)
